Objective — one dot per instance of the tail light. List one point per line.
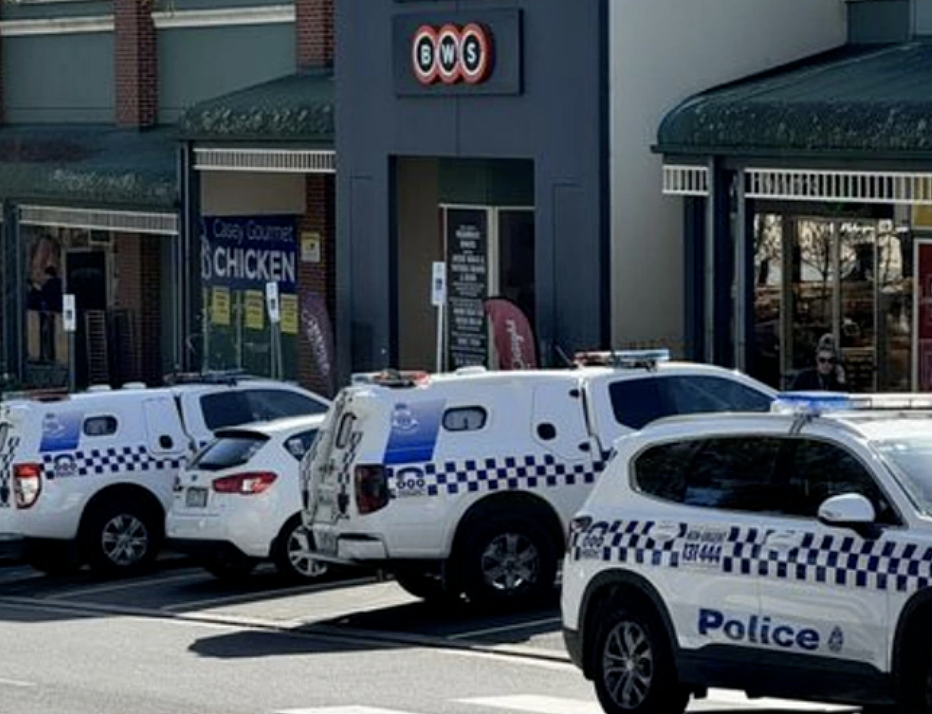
(371, 489)
(246, 484)
(578, 525)
(27, 484)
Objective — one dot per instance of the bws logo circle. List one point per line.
(452, 54)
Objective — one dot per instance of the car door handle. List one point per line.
(783, 540)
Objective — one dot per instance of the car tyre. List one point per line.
(506, 561)
(633, 665)
(424, 584)
(52, 557)
(121, 537)
(293, 553)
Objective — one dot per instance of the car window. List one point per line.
(817, 470)
(636, 402)
(269, 404)
(299, 444)
(694, 394)
(228, 451)
(732, 473)
(225, 409)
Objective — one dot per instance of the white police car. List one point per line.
(786, 554)
(239, 501)
(464, 483)
(90, 473)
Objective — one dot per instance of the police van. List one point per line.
(463, 483)
(786, 554)
(87, 477)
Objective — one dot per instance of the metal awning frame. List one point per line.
(99, 219)
(300, 161)
(836, 186)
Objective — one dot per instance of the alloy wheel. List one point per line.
(628, 664)
(125, 540)
(510, 562)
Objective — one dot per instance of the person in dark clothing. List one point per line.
(826, 375)
(50, 305)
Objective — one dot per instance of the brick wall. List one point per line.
(136, 64)
(314, 33)
(317, 278)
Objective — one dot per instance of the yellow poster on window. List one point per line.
(254, 303)
(220, 306)
(289, 305)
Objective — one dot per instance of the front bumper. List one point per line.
(573, 642)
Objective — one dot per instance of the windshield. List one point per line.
(911, 460)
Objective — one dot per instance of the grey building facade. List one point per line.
(473, 134)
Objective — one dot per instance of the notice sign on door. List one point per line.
(467, 286)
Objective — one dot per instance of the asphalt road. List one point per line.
(179, 642)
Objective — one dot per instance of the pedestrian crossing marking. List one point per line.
(536, 704)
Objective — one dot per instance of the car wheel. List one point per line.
(506, 561)
(121, 537)
(917, 682)
(229, 566)
(633, 666)
(52, 557)
(293, 553)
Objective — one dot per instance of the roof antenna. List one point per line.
(566, 360)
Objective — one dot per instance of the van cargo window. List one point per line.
(464, 419)
(100, 426)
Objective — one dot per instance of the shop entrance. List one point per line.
(489, 252)
(844, 281)
(86, 279)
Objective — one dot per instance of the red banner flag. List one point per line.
(514, 338)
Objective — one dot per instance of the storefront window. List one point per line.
(847, 281)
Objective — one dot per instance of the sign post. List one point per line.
(275, 317)
(70, 324)
(438, 298)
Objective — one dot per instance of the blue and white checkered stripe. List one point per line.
(121, 459)
(6, 475)
(830, 559)
(531, 471)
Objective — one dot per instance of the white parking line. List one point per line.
(505, 628)
(129, 585)
(16, 683)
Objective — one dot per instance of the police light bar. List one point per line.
(622, 358)
(811, 402)
(391, 378)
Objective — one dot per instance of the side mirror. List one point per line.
(848, 509)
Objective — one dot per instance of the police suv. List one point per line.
(786, 554)
(90, 474)
(464, 483)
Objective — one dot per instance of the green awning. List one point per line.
(295, 108)
(94, 165)
(871, 102)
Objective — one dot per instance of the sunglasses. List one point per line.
(826, 360)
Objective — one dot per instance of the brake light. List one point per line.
(27, 484)
(580, 524)
(371, 489)
(245, 484)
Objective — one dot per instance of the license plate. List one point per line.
(196, 498)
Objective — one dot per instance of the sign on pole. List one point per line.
(438, 298)
(271, 299)
(69, 316)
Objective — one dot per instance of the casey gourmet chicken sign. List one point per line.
(452, 53)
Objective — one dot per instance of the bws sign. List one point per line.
(451, 54)
(460, 53)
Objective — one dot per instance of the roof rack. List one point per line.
(51, 394)
(392, 378)
(230, 376)
(645, 359)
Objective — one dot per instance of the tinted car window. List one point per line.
(733, 473)
(269, 404)
(228, 451)
(225, 409)
(636, 402)
(817, 470)
(298, 444)
(693, 394)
